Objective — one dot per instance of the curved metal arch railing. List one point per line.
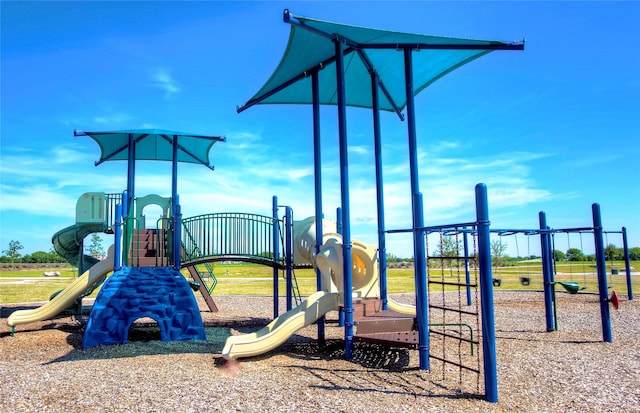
(230, 236)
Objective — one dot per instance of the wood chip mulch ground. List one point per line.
(44, 368)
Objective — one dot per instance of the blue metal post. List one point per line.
(276, 256)
(467, 274)
(175, 207)
(125, 203)
(126, 229)
(339, 231)
(117, 239)
(382, 243)
(317, 174)
(601, 265)
(547, 273)
(422, 297)
(177, 230)
(552, 275)
(486, 296)
(131, 184)
(627, 263)
(419, 254)
(288, 253)
(344, 192)
(131, 172)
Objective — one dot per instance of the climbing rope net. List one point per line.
(454, 308)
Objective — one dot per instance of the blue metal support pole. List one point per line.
(125, 203)
(175, 207)
(422, 293)
(467, 274)
(129, 205)
(131, 173)
(552, 275)
(547, 273)
(339, 231)
(419, 254)
(382, 243)
(344, 192)
(317, 174)
(288, 254)
(486, 296)
(627, 263)
(601, 265)
(177, 230)
(125, 227)
(117, 239)
(276, 255)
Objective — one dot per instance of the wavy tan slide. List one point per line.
(366, 273)
(63, 300)
(281, 328)
(406, 309)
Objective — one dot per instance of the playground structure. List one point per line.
(298, 81)
(146, 280)
(575, 272)
(148, 289)
(551, 278)
(328, 262)
(147, 262)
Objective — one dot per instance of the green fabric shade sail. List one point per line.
(311, 49)
(153, 144)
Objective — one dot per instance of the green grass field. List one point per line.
(253, 279)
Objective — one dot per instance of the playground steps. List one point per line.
(375, 325)
(148, 248)
(202, 287)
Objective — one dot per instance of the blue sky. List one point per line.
(553, 128)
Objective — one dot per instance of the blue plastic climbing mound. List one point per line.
(160, 293)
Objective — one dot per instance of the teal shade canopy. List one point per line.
(311, 48)
(153, 145)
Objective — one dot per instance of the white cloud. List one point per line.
(590, 162)
(250, 173)
(67, 155)
(112, 119)
(360, 150)
(298, 173)
(162, 78)
(38, 200)
(50, 182)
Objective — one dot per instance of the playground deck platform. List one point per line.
(384, 327)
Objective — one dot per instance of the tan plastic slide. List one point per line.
(63, 300)
(281, 328)
(365, 274)
(406, 309)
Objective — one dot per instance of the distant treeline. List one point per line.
(612, 253)
(37, 257)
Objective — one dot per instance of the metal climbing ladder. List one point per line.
(295, 290)
(200, 277)
(202, 274)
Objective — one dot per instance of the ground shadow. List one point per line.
(408, 382)
(369, 355)
(144, 339)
